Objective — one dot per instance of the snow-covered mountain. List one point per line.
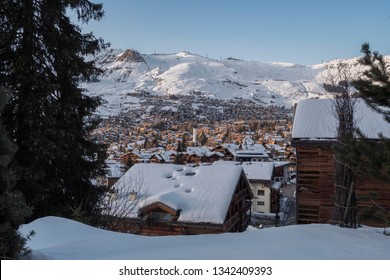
(129, 75)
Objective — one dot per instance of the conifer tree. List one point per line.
(373, 157)
(364, 155)
(13, 209)
(367, 156)
(49, 116)
(374, 86)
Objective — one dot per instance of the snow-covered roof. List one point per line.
(115, 169)
(162, 156)
(201, 194)
(246, 150)
(258, 170)
(251, 154)
(314, 119)
(277, 185)
(262, 171)
(202, 152)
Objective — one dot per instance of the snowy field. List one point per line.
(291, 252)
(62, 239)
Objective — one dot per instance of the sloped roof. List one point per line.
(202, 152)
(246, 150)
(314, 119)
(201, 194)
(261, 171)
(115, 169)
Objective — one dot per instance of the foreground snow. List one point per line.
(62, 239)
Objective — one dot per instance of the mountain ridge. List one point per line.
(126, 72)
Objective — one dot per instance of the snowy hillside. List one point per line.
(129, 75)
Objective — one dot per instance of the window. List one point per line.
(260, 192)
(260, 203)
(161, 216)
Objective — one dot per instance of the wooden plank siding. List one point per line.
(157, 228)
(315, 190)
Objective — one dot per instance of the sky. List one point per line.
(297, 31)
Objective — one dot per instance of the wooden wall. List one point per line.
(141, 227)
(315, 190)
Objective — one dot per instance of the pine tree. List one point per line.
(203, 139)
(373, 157)
(184, 143)
(363, 155)
(49, 116)
(13, 209)
(374, 86)
(369, 157)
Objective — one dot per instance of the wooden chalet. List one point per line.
(197, 155)
(160, 158)
(115, 170)
(136, 157)
(247, 151)
(225, 151)
(313, 134)
(181, 200)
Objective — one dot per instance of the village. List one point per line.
(167, 123)
(213, 166)
(202, 133)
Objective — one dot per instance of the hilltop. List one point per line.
(129, 77)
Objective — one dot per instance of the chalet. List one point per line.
(136, 157)
(160, 158)
(313, 134)
(179, 200)
(115, 170)
(247, 151)
(225, 150)
(266, 180)
(202, 154)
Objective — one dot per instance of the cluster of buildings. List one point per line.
(214, 189)
(204, 134)
(208, 169)
(172, 199)
(247, 150)
(166, 122)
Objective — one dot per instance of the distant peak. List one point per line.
(185, 54)
(130, 55)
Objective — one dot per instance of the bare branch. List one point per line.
(120, 203)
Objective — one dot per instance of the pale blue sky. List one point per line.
(298, 31)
